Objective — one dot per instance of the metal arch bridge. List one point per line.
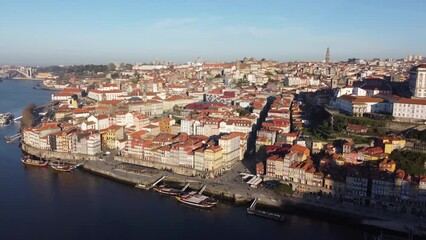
(20, 72)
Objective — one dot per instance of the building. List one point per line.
(213, 158)
(100, 121)
(390, 143)
(388, 165)
(356, 128)
(356, 186)
(100, 95)
(417, 81)
(111, 134)
(358, 105)
(275, 167)
(327, 56)
(260, 168)
(406, 109)
(166, 125)
(93, 142)
(382, 186)
(149, 108)
(34, 136)
(230, 144)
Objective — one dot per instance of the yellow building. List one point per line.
(166, 124)
(213, 157)
(111, 134)
(390, 144)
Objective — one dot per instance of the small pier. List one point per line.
(184, 187)
(11, 139)
(252, 210)
(149, 186)
(202, 189)
(158, 181)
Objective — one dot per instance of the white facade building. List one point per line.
(410, 109)
(417, 81)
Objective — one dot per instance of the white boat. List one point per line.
(142, 186)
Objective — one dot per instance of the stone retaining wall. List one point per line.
(50, 155)
(175, 169)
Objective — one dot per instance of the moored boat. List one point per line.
(197, 200)
(63, 168)
(6, 118)
(265, 214)
(31, 162)
(167, 191)
(142, 186)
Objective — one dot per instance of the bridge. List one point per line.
(27, 73)
(17, 118)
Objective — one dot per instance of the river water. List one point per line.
(37, 203)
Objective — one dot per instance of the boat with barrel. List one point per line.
(6, 118)
(163, 189)
(197, 200)
(27, 160)
(63, 167)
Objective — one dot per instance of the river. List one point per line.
(37, 203)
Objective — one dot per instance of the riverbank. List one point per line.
(359, 216)
(237, 195)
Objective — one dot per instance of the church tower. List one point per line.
(327, 56)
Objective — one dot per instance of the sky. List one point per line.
(44, 32)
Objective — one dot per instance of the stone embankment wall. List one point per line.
(61, 156)
(161, 166)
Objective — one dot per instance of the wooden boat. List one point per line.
(167, 191)
(32, 162)
(63, 168)
(197, 200)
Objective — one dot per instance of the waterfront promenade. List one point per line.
(231, 187)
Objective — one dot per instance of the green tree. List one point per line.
(28, 118)
(243, 112)
(412, 162)
(111, 67)
(115, 75)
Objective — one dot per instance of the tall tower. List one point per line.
(327, 56)
(417, 81)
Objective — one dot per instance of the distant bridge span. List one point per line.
(20, 72)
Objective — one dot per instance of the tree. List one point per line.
(114, 75)
(28, 118)
(411, 162)
(243, 112)
(111, 67)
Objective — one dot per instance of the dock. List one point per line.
(11, 139)
(149, 186)
(252, 210)
(202, 189)
(184, 187)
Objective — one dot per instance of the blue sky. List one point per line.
(46, 32)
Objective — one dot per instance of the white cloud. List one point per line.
(169, 23)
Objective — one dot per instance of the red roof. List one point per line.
(412, 101)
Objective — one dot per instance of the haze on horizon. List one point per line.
(78, 32)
